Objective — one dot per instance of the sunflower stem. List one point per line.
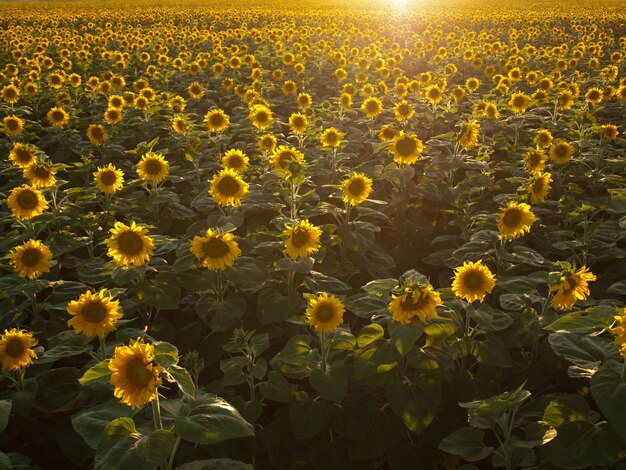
(156, 413)
(220, 293)
(469, 310)
(323, 346)
(101, 339)
(624, 370)
(170, 461)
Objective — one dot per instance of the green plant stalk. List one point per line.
(156, 413)
(466, 333)
(170, 461)
(323, 346)
(101, 339)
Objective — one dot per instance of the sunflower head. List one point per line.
(113, 116)
(109, 179)
(228, 188)
(539, 187)
(514, 220)
(570, 286)
(40, 175)
(267, 142)
(217, 120)
(387, 133)
(261, 116)
(31, 259)
(215, 250)
(620, 330)
(356, 189)
(433, 94)
(129, 244)
(235, 160)
(403, 111)
(406, 149)
(58, 117)
(519, 102)
(26, 202)
(94, 314)
(23, 155)
(97, 134)
(469, 135)
(561, 152)
(372, 107)
(609, 132)
(15, 349)
(298, 123)
(331, 138)
(473, 281)
(302, 239)
(285, 157)
(153, 167)
(12, 125)
(325, 313)
(417, 301)
(543, 138)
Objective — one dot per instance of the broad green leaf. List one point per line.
(276, 388)
(584, 351)
(369, 334)
(58, 389)
(490, 319)
(404, 337)
(69, 344)
(90, 423)
(165, 354)
(484, 414)
(307, 418)
(333, 384)
(595, 318)
(97, 372)
(183, 379)
(5, 412)
(609, 392)
(380, 286)
(415, 404)
(468, 443)
(566, 409)
(365, 305)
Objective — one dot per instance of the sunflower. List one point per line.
(571, 287)
(472, 84)
(433, 94)
(109, 179)
(304, 100)
(325, 313)
(539, 187)
(228, 188)
(356, 188)
(372, 107)
(15, 349)
(10, 94)
(298, 123)
(620, 330)
(31, 259)
(58, 117)
(134, 375)
(609, 132)
(387, 133)
(514, 220)
(94, 314)
(235, 160)
(112, 116)
(116, 102)
(594, 96)
(22, 155)
(195, 90)
(129, 244)
(217, 120)
(267, 142)
(543, 138)
(261, 116)
(519, 102)
(40, 175)
(535, 161)
(180, 125)
(12, 125)
(473, 281)
(26, 202)
(153, 167)
(97, 134)
(331, 137)
(403, 111)
(406, 149)
(303, 239)
(565, 100)
(418, 302)
(561, 152)
(345, 101)
(469, 136)
(621, 93)
(283, 156)
(215, 250)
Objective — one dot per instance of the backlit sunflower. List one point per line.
(561, 152)
(26, 202)
(469, 135)
(129, 244)
(228, 188)
(303, 239)
(112, 116)
(94, 313)
(473, 281)
(109, 179)
(433, 94)
(609, 132)
(40, 175)
(217, 120)
(331, 137)
(514, 220)
(267, 142)
(539, 187)
(22, 155)
(406, 149)
(535, 161)
(134, 374)
(519, 102)
(594, 96)
(31, 259)
(15, 349)
(298, 123)
(325, 313)
(420, 302)
(58, 117)
(565, 100)
(387, 133)
(543, 138)
(153, 167)
(180, 125)
(403, 111)
(620, 330)
(304, 100)
(372, 107)
(261, 116)
(215, 250)
(572, 286)
(96, 134)
(10, 94)
(283, 156)
(12, 125)
(356, 188)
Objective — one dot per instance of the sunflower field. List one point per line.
(324, 235)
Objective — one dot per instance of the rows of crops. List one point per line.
(335, 236)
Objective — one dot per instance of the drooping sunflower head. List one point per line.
(325, 313)
(416, 301)
(153, 167)
(406, 149)
(519, 102)
(109, 179)
(217, 120)
(302, 239)
(134, 374)
(261, 116)
(356, 189)
(15, 349)
(97, 134)
(31, 259)
(228, 188)
(284, 156)
(571, 287)
(298, 123)
(94, 313)
(215, 250)
(58, 117)
(22, 155)
(12, 125)
(372, 107)
(331, 137)
(473, 281)
(514, 220)
(40, 175)
(561, 152)
(26, 202)
(129, 244)
(609, 132)
(539, 187)
(469, 135)
(535, 161)
(235, 159)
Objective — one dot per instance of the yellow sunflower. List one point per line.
(284, 155)
(180, 125)
(406, 149)
(109, 179)
(519, 102)
(304, 100)
(112, 116)
(228, 188)
(15, 349)
(620, 330)
(40, 175)
(94, 314)
(325, 313)
(26, 202)
(420, 302)
(539, 187)
(217, 120)
(594, 96)
(433, 94)
(129, 244)
(514, 220)
(261, 116)
(22, 155)
(303, 239)
(609, 132)
(387, 133)
(134, 375)
(31, 259)
(153, 167)
(10, 94)
(12, 125)
(356, 188)
(572, 286)
(473, 281)
(267, 142)
(215, 250)
(561, 152)
(331, 137)
(96, 134)
(403, 111)
(543, 138)
(469, 136)
(535, 161)
(372, 107)
(565, 100)
(58, 117)
(235, 160)
(298, 123)
(195, 90)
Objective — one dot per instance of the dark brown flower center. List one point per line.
(512, 218)
(153, 166)
(12, 124)
(23, 155)
(27, 199)
(228, 186)
(406, 146)
(472, 280)
(137, 373)
(31, 257)
(130, 243)
(108, 178)
(216, 120)
(356, 187)
(414, 301)
(324, 313)
(94, 312)
(300, 237)
(57, 116)
(15, 347)
(215, 248)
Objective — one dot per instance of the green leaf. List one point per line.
(333, 384)
(584, 351)
(380, 286)
(415, 404)
(566, 409)
(215, 464)
(484, 414)
(276, 388)
(90, 423)
(183, 379)
(468, 443)
(69, 345)
(404, 337)
(165, 354)
(490, 319)
(97, 372)
(210, 419)
(296, 357)
(595, 318)
(608, 389)
(121, 447)
(58, 389)
(492, 352)
(307, 418)
(365, 305)
(5, 412)
(369, 334)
